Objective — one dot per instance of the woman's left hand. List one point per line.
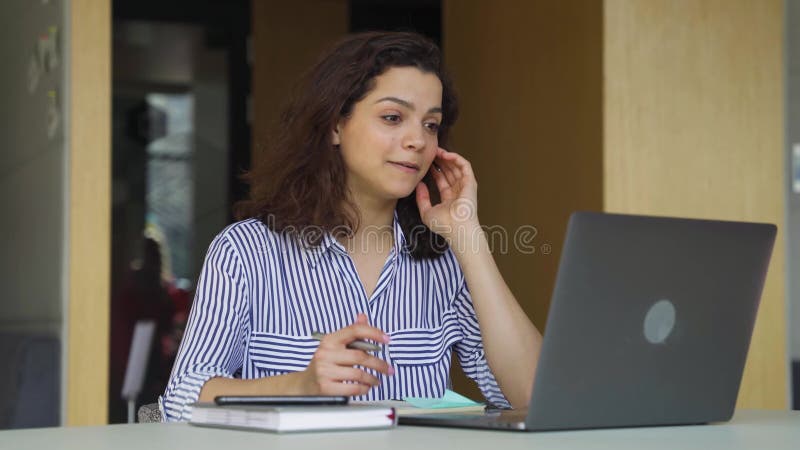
(458, 210)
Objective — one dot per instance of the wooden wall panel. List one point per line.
(528, 75)
(89, 178)
(694, 127)
(287, 39)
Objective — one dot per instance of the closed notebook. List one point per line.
(289, 419)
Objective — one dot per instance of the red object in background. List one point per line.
(181, 298)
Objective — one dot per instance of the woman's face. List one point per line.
(391, 136)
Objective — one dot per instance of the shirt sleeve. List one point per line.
(214, 341)
(470, 350)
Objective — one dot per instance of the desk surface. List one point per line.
(748, 430)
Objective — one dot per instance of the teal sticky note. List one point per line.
(449, 400)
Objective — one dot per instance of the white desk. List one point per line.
(748, 430)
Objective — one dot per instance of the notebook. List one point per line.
(289, 419)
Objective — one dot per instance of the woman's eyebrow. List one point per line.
(407, 104)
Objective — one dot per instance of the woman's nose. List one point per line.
(414, 139)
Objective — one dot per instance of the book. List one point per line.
(290, 419)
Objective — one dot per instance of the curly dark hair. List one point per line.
(300, 183)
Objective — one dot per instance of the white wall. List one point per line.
(32, 211)
(32, 171)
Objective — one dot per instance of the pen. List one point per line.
(355, 345)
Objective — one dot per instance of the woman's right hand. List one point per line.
(333, 369)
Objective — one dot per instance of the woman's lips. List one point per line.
(404, 168)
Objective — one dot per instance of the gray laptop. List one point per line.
(649, 324)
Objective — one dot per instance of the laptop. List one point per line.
(649, 324)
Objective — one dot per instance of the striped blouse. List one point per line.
(260, 295)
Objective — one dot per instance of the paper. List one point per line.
(449, 400)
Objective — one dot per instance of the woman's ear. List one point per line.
(433, 190)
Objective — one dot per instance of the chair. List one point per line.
(141, 344)
(149, 413)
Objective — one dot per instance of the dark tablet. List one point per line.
(280, 400)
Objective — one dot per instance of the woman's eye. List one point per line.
(433, 127)
(391, 118)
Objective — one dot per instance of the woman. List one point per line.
(344, 238)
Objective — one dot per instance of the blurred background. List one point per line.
(125, 126)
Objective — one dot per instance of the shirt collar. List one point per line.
(330, 243)
(399, 237)
(313, 254)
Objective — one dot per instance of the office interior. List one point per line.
(126, 127)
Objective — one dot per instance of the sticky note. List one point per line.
(449, 400)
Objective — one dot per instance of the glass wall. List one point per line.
(170, 187)
(793, 188)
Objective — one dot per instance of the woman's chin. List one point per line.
(400, 192)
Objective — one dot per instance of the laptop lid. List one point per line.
(650, 321)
